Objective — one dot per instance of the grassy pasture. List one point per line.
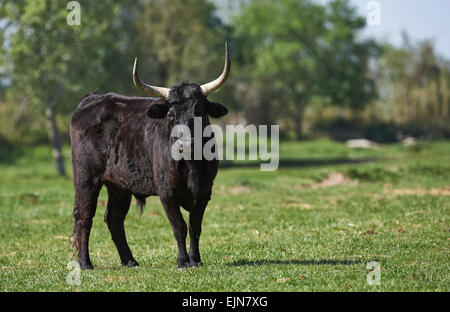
(312, 225)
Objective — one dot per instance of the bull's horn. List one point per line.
(209, 87)
(146, 88)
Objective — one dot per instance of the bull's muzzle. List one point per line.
(184, 147)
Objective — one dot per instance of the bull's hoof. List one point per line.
(183, 262)
(183, 266)
(131, 264)
(195, 264)
(86, 266)
(187, 264)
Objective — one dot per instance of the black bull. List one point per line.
(125, 144)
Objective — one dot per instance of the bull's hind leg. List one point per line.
(86, 195)
(116, 211)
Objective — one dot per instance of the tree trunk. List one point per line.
(55, 141)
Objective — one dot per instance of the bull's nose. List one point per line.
(184, 146)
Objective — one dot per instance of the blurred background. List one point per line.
(316, 68)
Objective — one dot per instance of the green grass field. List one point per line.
(312, 225)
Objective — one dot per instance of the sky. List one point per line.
(421, 19)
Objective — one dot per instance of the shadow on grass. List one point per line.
(246, 262)
(299, 163)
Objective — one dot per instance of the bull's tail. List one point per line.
(72, 237)
(140, 203)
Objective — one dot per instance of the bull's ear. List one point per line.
(216, 110)
(157, 111)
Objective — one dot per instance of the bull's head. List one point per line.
(185, 101)
(188, 97)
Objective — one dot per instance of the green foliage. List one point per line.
(45, 56)
(292, 60)
(347, 81)
(176, 44)
(181, 44)
(50, 64)
(293, 50)
(414, 84)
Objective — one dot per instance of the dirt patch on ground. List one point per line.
(334, 200)
(289, 203)
(234, 190)
(239, 189)
(369, 232)
(333, 179)
(421, 192)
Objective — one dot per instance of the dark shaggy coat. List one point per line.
(124, 143)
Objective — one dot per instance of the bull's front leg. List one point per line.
(195, 229)
(173, 213)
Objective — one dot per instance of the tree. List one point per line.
(347, 78)
(49, 62)
(179, 40)
(414, 84)
(294, 50)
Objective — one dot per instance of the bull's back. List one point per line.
(109, 142)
